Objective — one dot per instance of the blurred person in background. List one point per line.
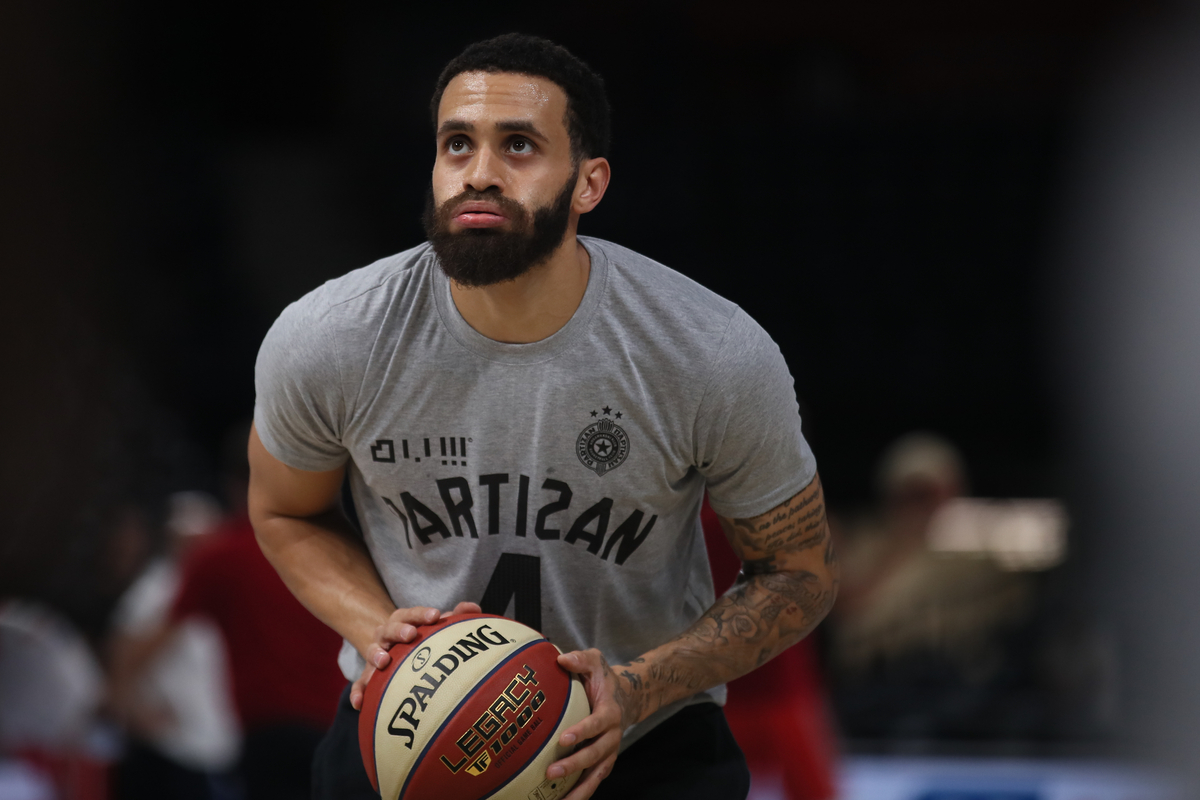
(51, 675)
(51, 689)
(176, 707)
(282, 660)
(918, 635)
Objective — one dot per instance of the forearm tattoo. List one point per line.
(787, 585)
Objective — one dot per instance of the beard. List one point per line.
(485, 256)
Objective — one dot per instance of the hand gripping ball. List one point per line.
(472, 708)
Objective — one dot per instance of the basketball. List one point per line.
(473, 708)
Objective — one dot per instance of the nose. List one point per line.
(485, 171)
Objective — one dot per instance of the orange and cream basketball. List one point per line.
(473, 708)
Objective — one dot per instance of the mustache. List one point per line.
(514, 210)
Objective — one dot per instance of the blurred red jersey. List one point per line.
(282, 659)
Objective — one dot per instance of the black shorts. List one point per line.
(691, 756)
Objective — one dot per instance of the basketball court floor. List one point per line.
(916, 778)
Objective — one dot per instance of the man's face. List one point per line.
(504, 179)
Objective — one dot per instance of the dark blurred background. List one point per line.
(878, 184)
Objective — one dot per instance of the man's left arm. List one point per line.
(788, 583)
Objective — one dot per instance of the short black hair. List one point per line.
(587, 119)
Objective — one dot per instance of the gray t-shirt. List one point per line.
(559, 482)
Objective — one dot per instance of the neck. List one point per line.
(533, 306)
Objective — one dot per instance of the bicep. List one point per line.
(279, 490)
(793, 536)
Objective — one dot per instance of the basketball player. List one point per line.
(529, 420)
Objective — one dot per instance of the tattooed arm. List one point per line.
(787, 585)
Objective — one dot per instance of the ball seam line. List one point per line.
(454, 712)
(562, 713)
(386, 686)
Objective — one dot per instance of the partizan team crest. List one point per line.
(603, 446)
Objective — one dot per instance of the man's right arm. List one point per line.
(301, 529)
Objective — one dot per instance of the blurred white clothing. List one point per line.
(20, 781)
(189, 678)
(50, 682)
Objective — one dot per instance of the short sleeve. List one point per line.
(299, 408)
(749, 445)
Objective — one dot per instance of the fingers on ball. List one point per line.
(591, 725)
(415, 615)
(586, 787)
(595, 753)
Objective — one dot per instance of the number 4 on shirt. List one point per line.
(516, 579)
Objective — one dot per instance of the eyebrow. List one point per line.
(520, 126)
(508, 125)
(455, 125)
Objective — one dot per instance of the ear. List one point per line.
(594, 174)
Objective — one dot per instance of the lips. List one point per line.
(477, 214)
